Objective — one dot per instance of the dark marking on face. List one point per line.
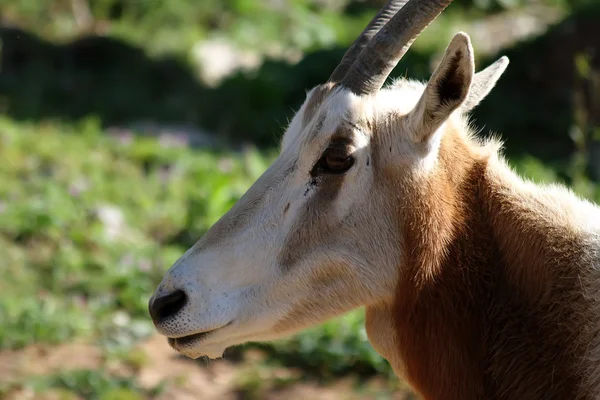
(311, 184)
(353, 125)
(286, 208)
(315, 101)
(344, 133)
(315, 224)
(318, 127)
(288, 171)
(368, 161)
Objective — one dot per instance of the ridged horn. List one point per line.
(383, 16)
(383, 52)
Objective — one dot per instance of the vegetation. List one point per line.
(93, 208)
(91, 219)
(175, 25)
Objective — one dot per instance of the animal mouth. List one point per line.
(185, 341)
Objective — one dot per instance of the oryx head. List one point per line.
(318, 233)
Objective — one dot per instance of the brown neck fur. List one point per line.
(488, 302)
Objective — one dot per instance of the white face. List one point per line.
(302, 245)
(319, 233)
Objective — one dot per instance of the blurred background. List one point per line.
(128, 127)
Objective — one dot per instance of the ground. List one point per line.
(153, 363)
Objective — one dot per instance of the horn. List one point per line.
(379, 57)
(383, 16)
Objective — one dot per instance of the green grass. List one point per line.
(92, 385)
(67, 272)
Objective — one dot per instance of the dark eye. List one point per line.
(335, 160)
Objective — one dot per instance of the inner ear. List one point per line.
(446, 90)
(451, 85)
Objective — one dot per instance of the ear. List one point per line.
(483, 82)
(446, 90)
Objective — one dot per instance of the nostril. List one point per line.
(166, 306)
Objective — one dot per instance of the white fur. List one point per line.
(233, 277)
(237, 280)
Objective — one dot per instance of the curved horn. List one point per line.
(372, 67)
(383, 16)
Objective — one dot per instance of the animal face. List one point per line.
(318, 233)
(302, 245)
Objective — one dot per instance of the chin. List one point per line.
(196, 351)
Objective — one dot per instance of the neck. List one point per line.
(491, 301)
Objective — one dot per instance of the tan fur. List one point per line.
(328, 282)
(489, 303)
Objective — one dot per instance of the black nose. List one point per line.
(166, 306)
